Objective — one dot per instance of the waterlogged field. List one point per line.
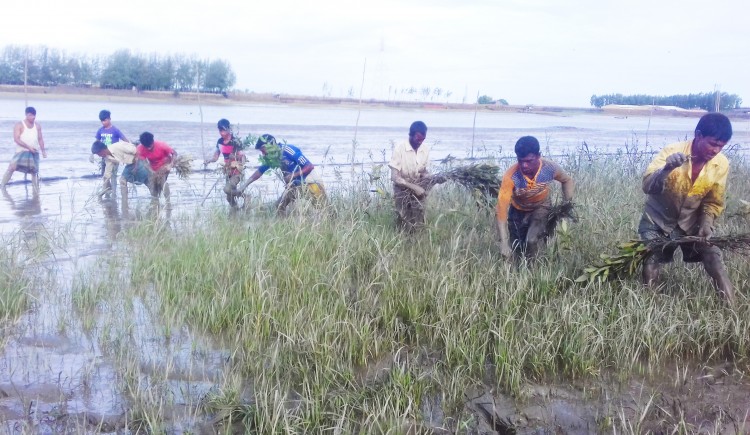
(186, 317)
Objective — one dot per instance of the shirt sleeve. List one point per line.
(396, 159)
(506, 191)
(713, 202)
(566, 182)
(297, 157)
(652, 182)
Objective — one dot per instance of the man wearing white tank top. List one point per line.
(29, 141)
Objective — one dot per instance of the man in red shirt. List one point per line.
(160, 157)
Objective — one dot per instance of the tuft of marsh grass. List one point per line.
(14, 288)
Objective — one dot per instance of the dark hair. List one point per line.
(97, 147)
(417, 127)
(223, 124)
(31, 110)
(147, 139)
(104, 114)
(527, 145)
(715, 125)
(265, 139)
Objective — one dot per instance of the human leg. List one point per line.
(400, 200)
(8, 174)
(650, 273)
(289, 195)
(35, 182)
(318, 193)
(714, 266)
(230, 186)
(536, 235)
(518, 228)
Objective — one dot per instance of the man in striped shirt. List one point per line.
(300, 177)
(524, 199)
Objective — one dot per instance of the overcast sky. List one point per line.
(544, 52)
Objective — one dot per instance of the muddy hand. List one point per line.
(675, 161)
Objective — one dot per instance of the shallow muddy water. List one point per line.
(54, 377)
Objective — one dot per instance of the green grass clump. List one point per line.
(337, 320)
(14, 287)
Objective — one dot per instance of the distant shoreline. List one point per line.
(234, 98)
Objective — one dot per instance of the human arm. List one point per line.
(213, 158)
(399, 180)
(254, 177)
(17, 131)
(298, 172)
(501, 210)
(41, 140)
(566, 183)
(712, 204)
(660, 168)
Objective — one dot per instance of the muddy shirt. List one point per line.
(527, 194)
(123, 152)
(410, 161)
(678, 201)
(231, 153)
(158, 156)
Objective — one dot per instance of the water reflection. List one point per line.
(112, 217)
(26, 207)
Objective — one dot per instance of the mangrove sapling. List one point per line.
(557, 213)
(183, 166)
(480, 177)
(632, 254)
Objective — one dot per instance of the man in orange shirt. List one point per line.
(524, 199)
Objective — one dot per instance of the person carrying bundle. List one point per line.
(160, 158)
(298, 172)
(411, 178)
(121, 152)
(524, 202)
(230, 148)
(686, 184)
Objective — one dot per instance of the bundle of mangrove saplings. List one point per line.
(183, 166)
(481, 177)
(632, 254)
(563, 210)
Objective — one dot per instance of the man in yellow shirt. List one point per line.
(686, 184)
(525, 191)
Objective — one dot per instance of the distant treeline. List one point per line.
(705, 101)
(120, 70)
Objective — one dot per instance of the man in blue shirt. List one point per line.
(298, 173)
(108, 134)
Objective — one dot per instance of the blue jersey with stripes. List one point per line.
(292, 159)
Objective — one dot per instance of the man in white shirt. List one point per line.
(409, 172)
(27, 135)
